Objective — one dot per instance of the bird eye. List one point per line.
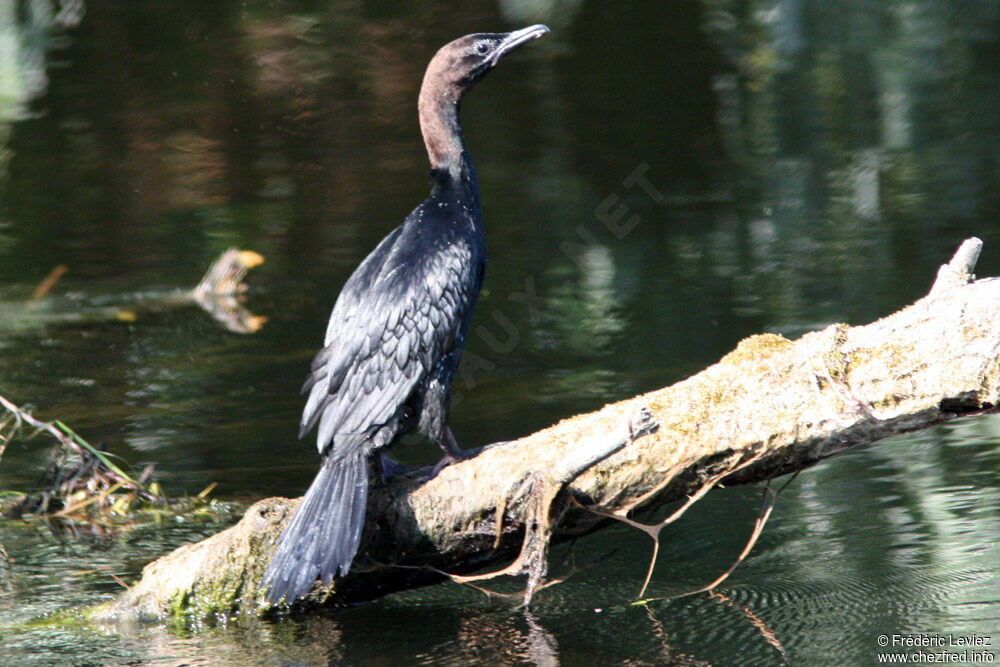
(481, 48)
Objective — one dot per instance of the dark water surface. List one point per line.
(668, 178)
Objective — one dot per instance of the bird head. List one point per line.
(454, 69)
(460, 64)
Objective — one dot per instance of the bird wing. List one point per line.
(397, 315)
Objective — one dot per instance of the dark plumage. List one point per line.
(396, 333)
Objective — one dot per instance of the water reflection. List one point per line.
(853, 115)
(659, 180)
(28, 31)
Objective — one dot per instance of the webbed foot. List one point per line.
(390, 467)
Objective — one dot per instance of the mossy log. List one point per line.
(770, 407)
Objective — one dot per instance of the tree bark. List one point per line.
(770, 407)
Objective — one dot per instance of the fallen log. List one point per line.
(768, 408)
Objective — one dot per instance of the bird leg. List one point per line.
(451, 448)
(390, 467)
(452, 452)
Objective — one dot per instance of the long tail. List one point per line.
(324, 534)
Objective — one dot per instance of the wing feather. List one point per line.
(375, 356)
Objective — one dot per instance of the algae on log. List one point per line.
(770, 407)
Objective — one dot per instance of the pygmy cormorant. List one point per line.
(396, 333)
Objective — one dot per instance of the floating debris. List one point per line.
(222, 293)
(83, 486)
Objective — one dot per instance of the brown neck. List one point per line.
(438, 110)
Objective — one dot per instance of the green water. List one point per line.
(663, 179)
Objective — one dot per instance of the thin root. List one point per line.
(653, 530)
(767, 505)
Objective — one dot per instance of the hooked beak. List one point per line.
(516, 39)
